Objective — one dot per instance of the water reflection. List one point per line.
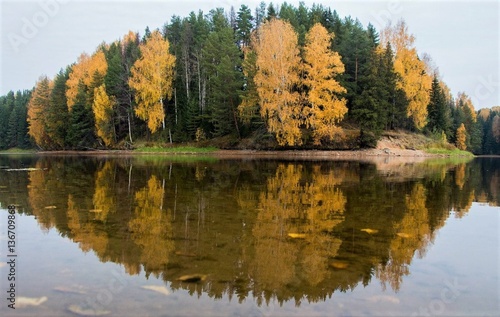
(262, 229)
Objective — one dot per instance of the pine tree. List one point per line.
(438, 120)
(249, 107)
(370, 109)
(222, 63)
(7, 103)
(57, 114)
(244, 26)
(81, 124)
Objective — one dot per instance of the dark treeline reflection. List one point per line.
(261, 229)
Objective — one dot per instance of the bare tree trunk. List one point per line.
(175, 104)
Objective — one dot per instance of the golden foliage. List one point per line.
(278, 64)
(84, 70)
(37, 112)
(461, 138)
(151, 78)
(464, 101)
(104, 199)
(103, 108)
(496, 127)
(413, 78)
(460, 176)
(151, 226)
(294, 225)
(321, 65)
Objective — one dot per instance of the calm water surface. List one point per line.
(152, 236)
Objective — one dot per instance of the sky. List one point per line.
(41, 37)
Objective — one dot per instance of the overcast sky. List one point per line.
(41, 37)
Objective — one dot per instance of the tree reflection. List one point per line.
(283, 230)
(412, 234)
(293, 232)
(151, 226)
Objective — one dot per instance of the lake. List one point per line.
(202, 236)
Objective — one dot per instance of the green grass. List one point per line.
(18, 151)
(448, 152)
(176, 150)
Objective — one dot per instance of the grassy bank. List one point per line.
(175, 149)
(18, 151)
(448, 152)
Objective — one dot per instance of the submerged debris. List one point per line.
(29, 169)
(157, 288)
(87, 311)
(30, 301)
(370, 231)
(297, 235)
(192, 278)
(49, 207)
(95, 210)
(340, 265)
(403, 235)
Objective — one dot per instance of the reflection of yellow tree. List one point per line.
(460, 175)
(296, 208)
(276, 255)
(44, 193)
(104, 199)
(327, 205)
(151, 226)
(412, 233)
(85, 232)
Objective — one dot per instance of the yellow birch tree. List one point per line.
(278, 64)
(37, 112)
(85, 70)
(413, 78)
(151, 79)
(103, 108)
(321, 65)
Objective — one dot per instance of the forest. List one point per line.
(279, 75)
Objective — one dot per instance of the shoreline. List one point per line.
(222, 153)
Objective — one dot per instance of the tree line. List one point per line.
(297, 75)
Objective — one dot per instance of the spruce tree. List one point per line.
(57, 116)
(438, 119)
(81, 134)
